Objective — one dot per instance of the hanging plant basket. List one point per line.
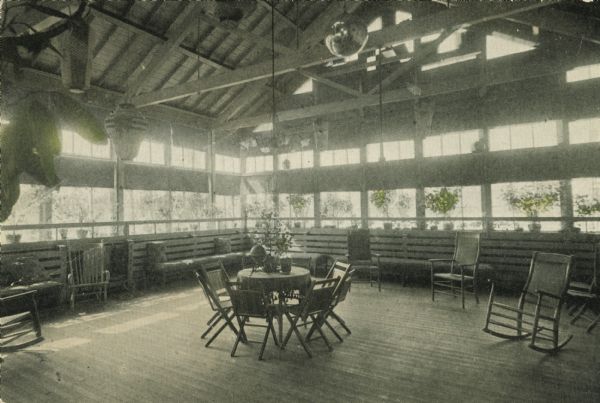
(126, 127)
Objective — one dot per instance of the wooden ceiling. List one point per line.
(173, 53)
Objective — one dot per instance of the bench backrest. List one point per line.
(52, 257)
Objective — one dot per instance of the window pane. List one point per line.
(407, 149)
(307, 159)
(81, 146)
(544, 134)
(521, 136)
(432, 146)
(353, 156)
(373, 152)
(499, 138)
(326, 158)
(340, 157)
(158, 153)
(450, 144)
(468, 140)
(391, 150)
(144, 152)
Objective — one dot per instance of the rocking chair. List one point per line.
(537, 313)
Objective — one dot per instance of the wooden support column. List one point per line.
(364, 193)
(423, 119)
(243, 189)
(169, 164)
(211, 176)
(119, 194)
(317, 163)
(565, 188)
(45, 210)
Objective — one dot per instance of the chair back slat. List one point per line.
(248, 303)
(86, 264)
(343, 288)
(359, 244)
(214, 283)
(467, 248)
(338, 270)
(319, 296)
(549, 272)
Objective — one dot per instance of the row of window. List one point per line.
(76, 204)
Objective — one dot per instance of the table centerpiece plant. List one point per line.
(276, 238)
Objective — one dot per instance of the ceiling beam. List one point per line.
(330, 83)
(278, 14)
(468, 14)
(497, 73)
(563, 23)
(142, 30)
(178, 31)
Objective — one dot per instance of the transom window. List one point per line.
(187, 158)
(526, 135)
(260, 163)
(450, 143)
(297, 160)
(584, 131)
(340, 157)
(392, 150)
(74, 144)
(498, 45)
(151, 152)
(225, 163)
(583, 73)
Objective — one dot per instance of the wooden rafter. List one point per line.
(178, 31)
(468, 14)
(497, 73)
(278, 14)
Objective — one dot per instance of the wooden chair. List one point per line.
(316, 304)
(18, 318)
(539, 307)
(87, 271)
(339, 296)
(585, 295)
(463, 268)
(213, 280)
(360, 256)
(252, 304)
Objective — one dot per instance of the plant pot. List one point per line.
(269, 265)
(387, 225)
(297, 224)
(449, 226)
(82, 233)
(13, 238)
(433, 227)
(286, 264)
(63, 233)
(535, 227)
(518, 229)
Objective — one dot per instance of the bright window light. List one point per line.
(584, 131)
(525, 135)
(430, 37)
(450, 60)
(452, 143)
(402, 16)
(306, 87)
(452, 42)
(499, 45)
(583, 73)
(263, 127)
(375, 25)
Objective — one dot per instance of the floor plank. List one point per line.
(403, 348)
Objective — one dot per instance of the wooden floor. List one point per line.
(403, 348)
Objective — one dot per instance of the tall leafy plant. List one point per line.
(532, 202)
(382, 200)
(442, 201)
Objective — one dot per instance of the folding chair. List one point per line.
(466, 261)
(213, 279)
(586, 295)
(252, 304)
(538, 310)
(317, 302)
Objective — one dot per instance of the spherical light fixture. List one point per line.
(126, 127)
(348, 36)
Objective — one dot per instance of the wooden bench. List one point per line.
(50, 257)
(175, 254)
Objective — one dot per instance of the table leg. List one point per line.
(280, 322)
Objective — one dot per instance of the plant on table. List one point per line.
(276, 238)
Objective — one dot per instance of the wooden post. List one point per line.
(119, 196)
(211, 177)
(565, 188)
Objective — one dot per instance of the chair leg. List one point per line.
(239, 336)
(432, 285)
(211, 326)
(72, 300)
(593, 324)
(379, 278)
(294, 329)
(264, 343)
(36, 318)
(213, 318)
(580, 312)
(462, 292)
(270, 324)
(318, 324)
(336, 334)
(475, 291)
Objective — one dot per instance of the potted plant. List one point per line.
(298, 204)
(382, 200)
(533, 202)
(255, 209)
(277, 240)
(586, 207)
(333, 207)
(442, 202)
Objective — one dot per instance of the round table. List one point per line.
(297, 279)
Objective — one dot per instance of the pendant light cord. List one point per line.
(273, 70)
(380, 74)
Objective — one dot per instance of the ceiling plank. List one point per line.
(278, 14)
(563, 23)
(467, 14)
(141, 30)
(501, 73)
(178, 31)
